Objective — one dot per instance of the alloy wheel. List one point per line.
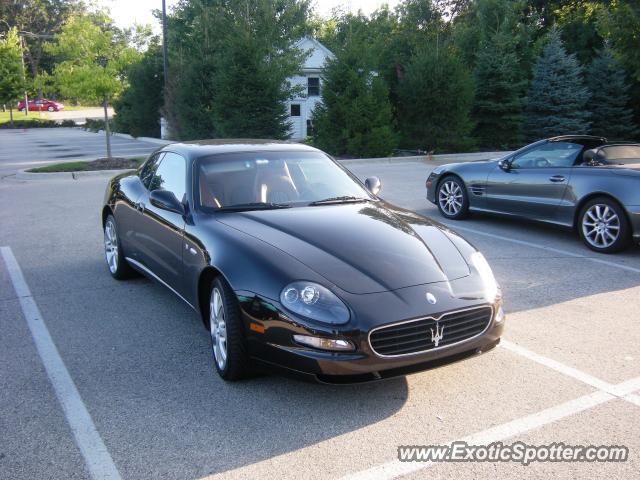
(450, 197)
(111, 246)
(601, 226)
(218, 328)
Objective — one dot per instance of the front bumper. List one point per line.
(431, 183)
(270, 332)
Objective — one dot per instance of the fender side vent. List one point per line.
(477, 190)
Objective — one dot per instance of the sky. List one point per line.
(127, 12)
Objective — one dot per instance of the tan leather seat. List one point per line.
(274, 184)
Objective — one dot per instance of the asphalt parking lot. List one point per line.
(32, 147)
(567, 371)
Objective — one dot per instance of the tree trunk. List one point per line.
(106, 128)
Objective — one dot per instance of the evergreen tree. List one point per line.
(609, 99)
(138, 107)
(500, 95)
(355, 116)
(435, 98)
(229, 67)
(557, 101)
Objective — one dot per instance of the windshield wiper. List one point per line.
(253, 206)
(342, 199)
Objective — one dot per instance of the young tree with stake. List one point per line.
(92, 60)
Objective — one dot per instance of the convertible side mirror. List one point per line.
(166, 200)
(505, 164)
(373, 184)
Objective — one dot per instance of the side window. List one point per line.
(552, 154)
(171, 175)
(313, 86)
(149, 169)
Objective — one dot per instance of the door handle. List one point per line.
(557, 178)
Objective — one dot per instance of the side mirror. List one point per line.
(505, 164)
(166, 200)
(373, 184)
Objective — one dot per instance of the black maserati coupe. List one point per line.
(575, 181)
(295, 265)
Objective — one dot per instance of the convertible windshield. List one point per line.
(249, 180)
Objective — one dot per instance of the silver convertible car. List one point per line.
(580, 182)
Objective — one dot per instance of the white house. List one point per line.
(310, 80)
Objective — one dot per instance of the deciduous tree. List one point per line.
(92, 63)
(12, 81)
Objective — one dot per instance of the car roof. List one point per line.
(200, 148)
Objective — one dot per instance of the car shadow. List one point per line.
(142, 361)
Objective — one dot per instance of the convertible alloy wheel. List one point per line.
(218, 329)
(452, 200)
(227, 334)
(603, 226)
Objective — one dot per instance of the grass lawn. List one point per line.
(85, 166)
(32, 117)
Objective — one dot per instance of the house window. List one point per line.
(309, 128)
(295, 110)
(313, 86)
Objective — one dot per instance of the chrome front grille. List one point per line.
(424, 334)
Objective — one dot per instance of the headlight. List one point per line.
(488, 280)
(314, 301)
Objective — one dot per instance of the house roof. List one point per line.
(318, 53)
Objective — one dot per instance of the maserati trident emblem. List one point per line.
(437, 335)
(431, 298)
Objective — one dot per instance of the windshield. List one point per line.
(272, 179)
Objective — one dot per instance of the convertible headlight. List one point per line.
(488, 280)
(314, 301)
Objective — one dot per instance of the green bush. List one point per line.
(96, 124)
(138, 108)
(33, 123)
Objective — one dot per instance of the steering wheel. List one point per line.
(541, 162)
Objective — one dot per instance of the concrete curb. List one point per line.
(24, 175)
(435, 160)
(157, 141)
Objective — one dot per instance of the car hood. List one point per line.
(361, 248)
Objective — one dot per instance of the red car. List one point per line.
(40, 105)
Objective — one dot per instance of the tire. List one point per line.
(228, 343)
(116, 263)
(452, 198)
(603, 226)
(50, 108)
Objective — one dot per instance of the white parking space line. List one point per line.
(498, 433)
(97, 458)
(543, 247)
(558, 367)
(635, 399)
(622, 390)
(605, 393)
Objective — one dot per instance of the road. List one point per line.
(139, 358)
(25, 148)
